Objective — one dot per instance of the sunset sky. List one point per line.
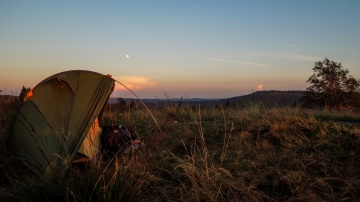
(202, 48)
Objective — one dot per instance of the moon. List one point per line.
(127, 56)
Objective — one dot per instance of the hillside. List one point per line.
(253, 153)
(267, 98)
(7, 102)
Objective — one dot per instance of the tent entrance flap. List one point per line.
(89, 146)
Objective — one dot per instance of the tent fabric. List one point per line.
(89, 147)
(52, 124)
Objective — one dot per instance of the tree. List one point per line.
(134, 104)
(331, 86)
(121, 104)
(23, 93)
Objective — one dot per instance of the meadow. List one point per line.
(252, 153)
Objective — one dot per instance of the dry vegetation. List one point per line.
(250, 154)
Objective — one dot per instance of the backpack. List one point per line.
(115, 140)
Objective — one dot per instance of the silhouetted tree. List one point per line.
(121, 104)
(24, 91)
(331, 86)
(227, 104)
(134, 104)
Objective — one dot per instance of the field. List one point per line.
(254, 153)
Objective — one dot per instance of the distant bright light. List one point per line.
(259, 87)
(127, 55)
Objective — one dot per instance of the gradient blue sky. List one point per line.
(209, 49)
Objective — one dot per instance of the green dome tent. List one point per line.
(58, 121)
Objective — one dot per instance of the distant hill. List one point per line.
(8, 102)
(167, 102)
(268, 98)
(7, 99)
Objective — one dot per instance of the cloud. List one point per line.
(300, 57)
(280, 55)
(289, 56)
(134, 82)
(238, 62)
(259, 87)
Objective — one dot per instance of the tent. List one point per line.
(58, 121)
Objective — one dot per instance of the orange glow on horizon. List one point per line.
(134, 83)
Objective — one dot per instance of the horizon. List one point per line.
(177, 49)
(165, 97)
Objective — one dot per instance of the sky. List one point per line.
(184, 48)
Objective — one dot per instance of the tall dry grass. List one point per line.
(215, 154)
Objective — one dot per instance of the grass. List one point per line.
(211, 154)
